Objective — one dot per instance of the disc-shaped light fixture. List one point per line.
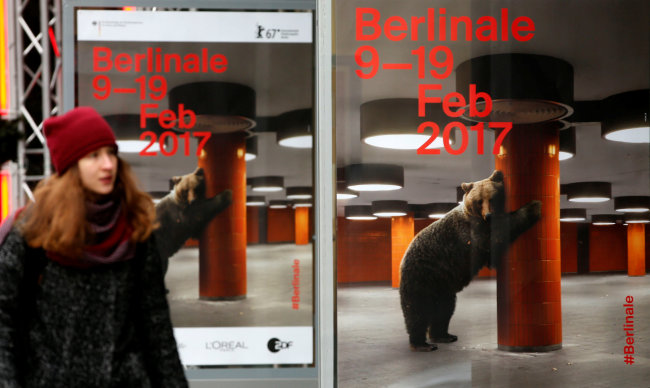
(299, 192)
(604, 219)
(524, 88)
(342, 191)
(393, 123)
(573, 215)
(156, 196)
(460, 193)
(420, 211)
(218, 107)
(374, 177)
(632, 204)
(255, 200)
(637, 218)
(127, 130)
(567, 143)
(588, 191)
(266, 183)
(279, 204)
(294, 129)
(359, 212)
(625, 117)
(251, 148)
(440, 209)
(389, 208)
(304, 202)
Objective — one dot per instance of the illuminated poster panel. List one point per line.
(5, 75)
(493, 176)
(188, 89)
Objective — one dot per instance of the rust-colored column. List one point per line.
(529, 310)
(302, 225)
(401, 234)
(636, 249)
(222, 247)
(252, 224)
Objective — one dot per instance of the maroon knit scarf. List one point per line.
(111, 237)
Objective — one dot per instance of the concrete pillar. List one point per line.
(302, 225)
(252, 225)
(636, 249)
(529, 313)
(401, 234)
(222, 247)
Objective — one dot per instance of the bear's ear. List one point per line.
(176, 179)
(466, 186)
(199, 171)
(497, 176)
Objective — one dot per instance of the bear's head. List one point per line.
(485, 197)
(189, 187)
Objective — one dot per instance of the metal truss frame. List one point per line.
(36, 79)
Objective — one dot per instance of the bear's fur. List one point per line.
(444, 257)
(184, 212)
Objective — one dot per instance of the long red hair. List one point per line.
(56, 220)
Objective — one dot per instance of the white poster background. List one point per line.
(215, 345)
(178, 26)
(245, 345)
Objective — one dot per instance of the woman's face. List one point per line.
(98, 170)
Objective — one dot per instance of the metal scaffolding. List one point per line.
(38, 67)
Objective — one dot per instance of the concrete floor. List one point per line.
(373, 346)
(269, 290)
(372, 342)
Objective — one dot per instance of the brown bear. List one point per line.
(184, 212)
(444, 257)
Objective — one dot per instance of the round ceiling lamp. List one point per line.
(393, 123)
(302, 203)
(266, 183)
(156, 196)
(279, 204)
(567, 143)
(573, 215)
(588, 191)
(460, 193)
(440, 209)
(255, 200)
(127, 133)
(299, 192)
(374, 177)
(420, 211)
(359, 212)
(604, 219)
(636, 218)
(294, 129)
(342, 191)
(632, 204)
(625, 117)
(219, 107)
(389, 208)
(251, 148)
(524, 88)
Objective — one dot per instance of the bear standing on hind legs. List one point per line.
(444, 257)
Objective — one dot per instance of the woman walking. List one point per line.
(82, 296)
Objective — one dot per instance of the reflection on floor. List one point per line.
(268, 300)
(373, 346)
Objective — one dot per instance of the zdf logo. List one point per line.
(275, 345)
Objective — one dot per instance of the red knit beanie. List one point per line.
(74, 134)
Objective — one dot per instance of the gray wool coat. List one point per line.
(107, 326)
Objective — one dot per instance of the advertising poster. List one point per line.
(492, 193)
(214, 112)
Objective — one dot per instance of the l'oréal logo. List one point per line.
(225, 346)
